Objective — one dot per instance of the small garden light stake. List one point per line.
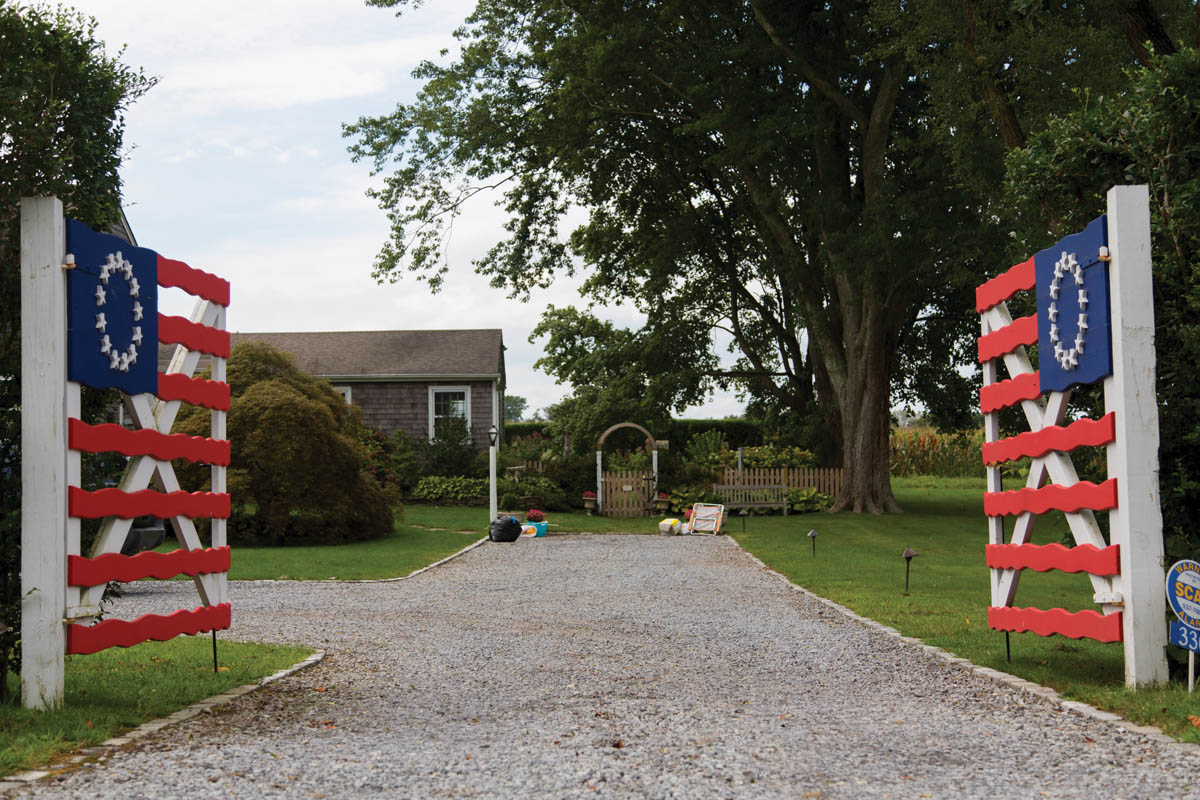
(214, 633)
(813, 535)
(743, 514)
(909, 554)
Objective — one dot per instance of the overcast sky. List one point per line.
(237, 166)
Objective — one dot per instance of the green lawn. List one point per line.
(110, 692)
(406, 549)
(859, 565)
(460, 518)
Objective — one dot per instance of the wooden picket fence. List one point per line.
(826, 480)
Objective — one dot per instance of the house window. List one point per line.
(446, 402)
(344, 391)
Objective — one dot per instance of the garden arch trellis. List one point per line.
(651, 444)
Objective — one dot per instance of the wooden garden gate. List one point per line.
(627, 493)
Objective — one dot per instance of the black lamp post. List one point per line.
(813, 536)
(909, 554)
(493, 435)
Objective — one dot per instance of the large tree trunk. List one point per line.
(863, 393)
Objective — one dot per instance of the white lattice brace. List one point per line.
(1061, 470)
(219, 527)
(995, 483)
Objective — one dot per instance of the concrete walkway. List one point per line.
(618, 666)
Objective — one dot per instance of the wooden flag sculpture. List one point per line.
(1094, 322)
(114, 329)
(99, 326)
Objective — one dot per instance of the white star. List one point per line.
(1054, 291)
(124, 363)
(101, 323)
(137, 334)
(105, 345)
(137, 311)
(132, 354)
(1083, 301)
(124, 265)
(104, 271)
(114, 360)
(133, 287)
(1053, 332)
(99, 295)
(1078, 272)
(1082, 323)
(1052, 312)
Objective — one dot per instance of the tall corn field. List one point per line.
(924, 451)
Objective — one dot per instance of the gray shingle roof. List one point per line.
(391, 353)
(394, 354)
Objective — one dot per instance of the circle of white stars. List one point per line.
(1068, 358)
(119, 360)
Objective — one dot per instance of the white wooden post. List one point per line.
(44, 452)
(1136, 523)
(600, 480)
(493, 508)
(654, 468)
(219, 527)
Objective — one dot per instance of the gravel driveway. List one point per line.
(620, 666)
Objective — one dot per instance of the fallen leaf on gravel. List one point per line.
(320, 689)
(1089, 740)
(811, 795)
(618, 744)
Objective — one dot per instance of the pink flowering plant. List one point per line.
(589, 495)
(533, 515)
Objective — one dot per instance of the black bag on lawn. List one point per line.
(504, 529)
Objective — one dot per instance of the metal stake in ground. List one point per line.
(214, 633)
(743, 514)
(813, 535)
(909, 554)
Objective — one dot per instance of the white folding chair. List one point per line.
(707, 517)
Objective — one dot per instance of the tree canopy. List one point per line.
(819, 181)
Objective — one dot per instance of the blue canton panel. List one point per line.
(1074, 320)
(112, 312)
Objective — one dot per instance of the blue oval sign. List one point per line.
(1183, 591)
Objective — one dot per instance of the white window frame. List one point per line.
(344, 391)
(434, 389)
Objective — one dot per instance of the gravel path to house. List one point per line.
(620, 666)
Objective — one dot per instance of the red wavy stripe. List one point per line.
(995, 344)
(145, 442)
(193, 281)
(1096, 496)
(116, 567)
(197, 391)
(193, 335)
(1003, 394)
(1005, 285)
(84, 639)
(1084, 433)
(1045, 557)
(127, 505)
(1080, 625)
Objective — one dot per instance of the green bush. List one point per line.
(510, 501)
(296, 459)
(808, 500)
(441, 489)
(451, 451)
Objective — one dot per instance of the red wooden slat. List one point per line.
(1009, 338)
(1045, 557)
(1096, 496)
(127, 505)
(145, 442)
(1005, 285)
(83, 639)
(1003, 394)
(193, 335)
(197, 391)
(193, 281)
(116, 567)
(1083, 433)
(1080, 625)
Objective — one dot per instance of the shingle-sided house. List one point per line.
(405, 380)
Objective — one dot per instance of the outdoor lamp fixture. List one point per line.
(908, 555)
(493, 434)
(813, 535)
(743, 514)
